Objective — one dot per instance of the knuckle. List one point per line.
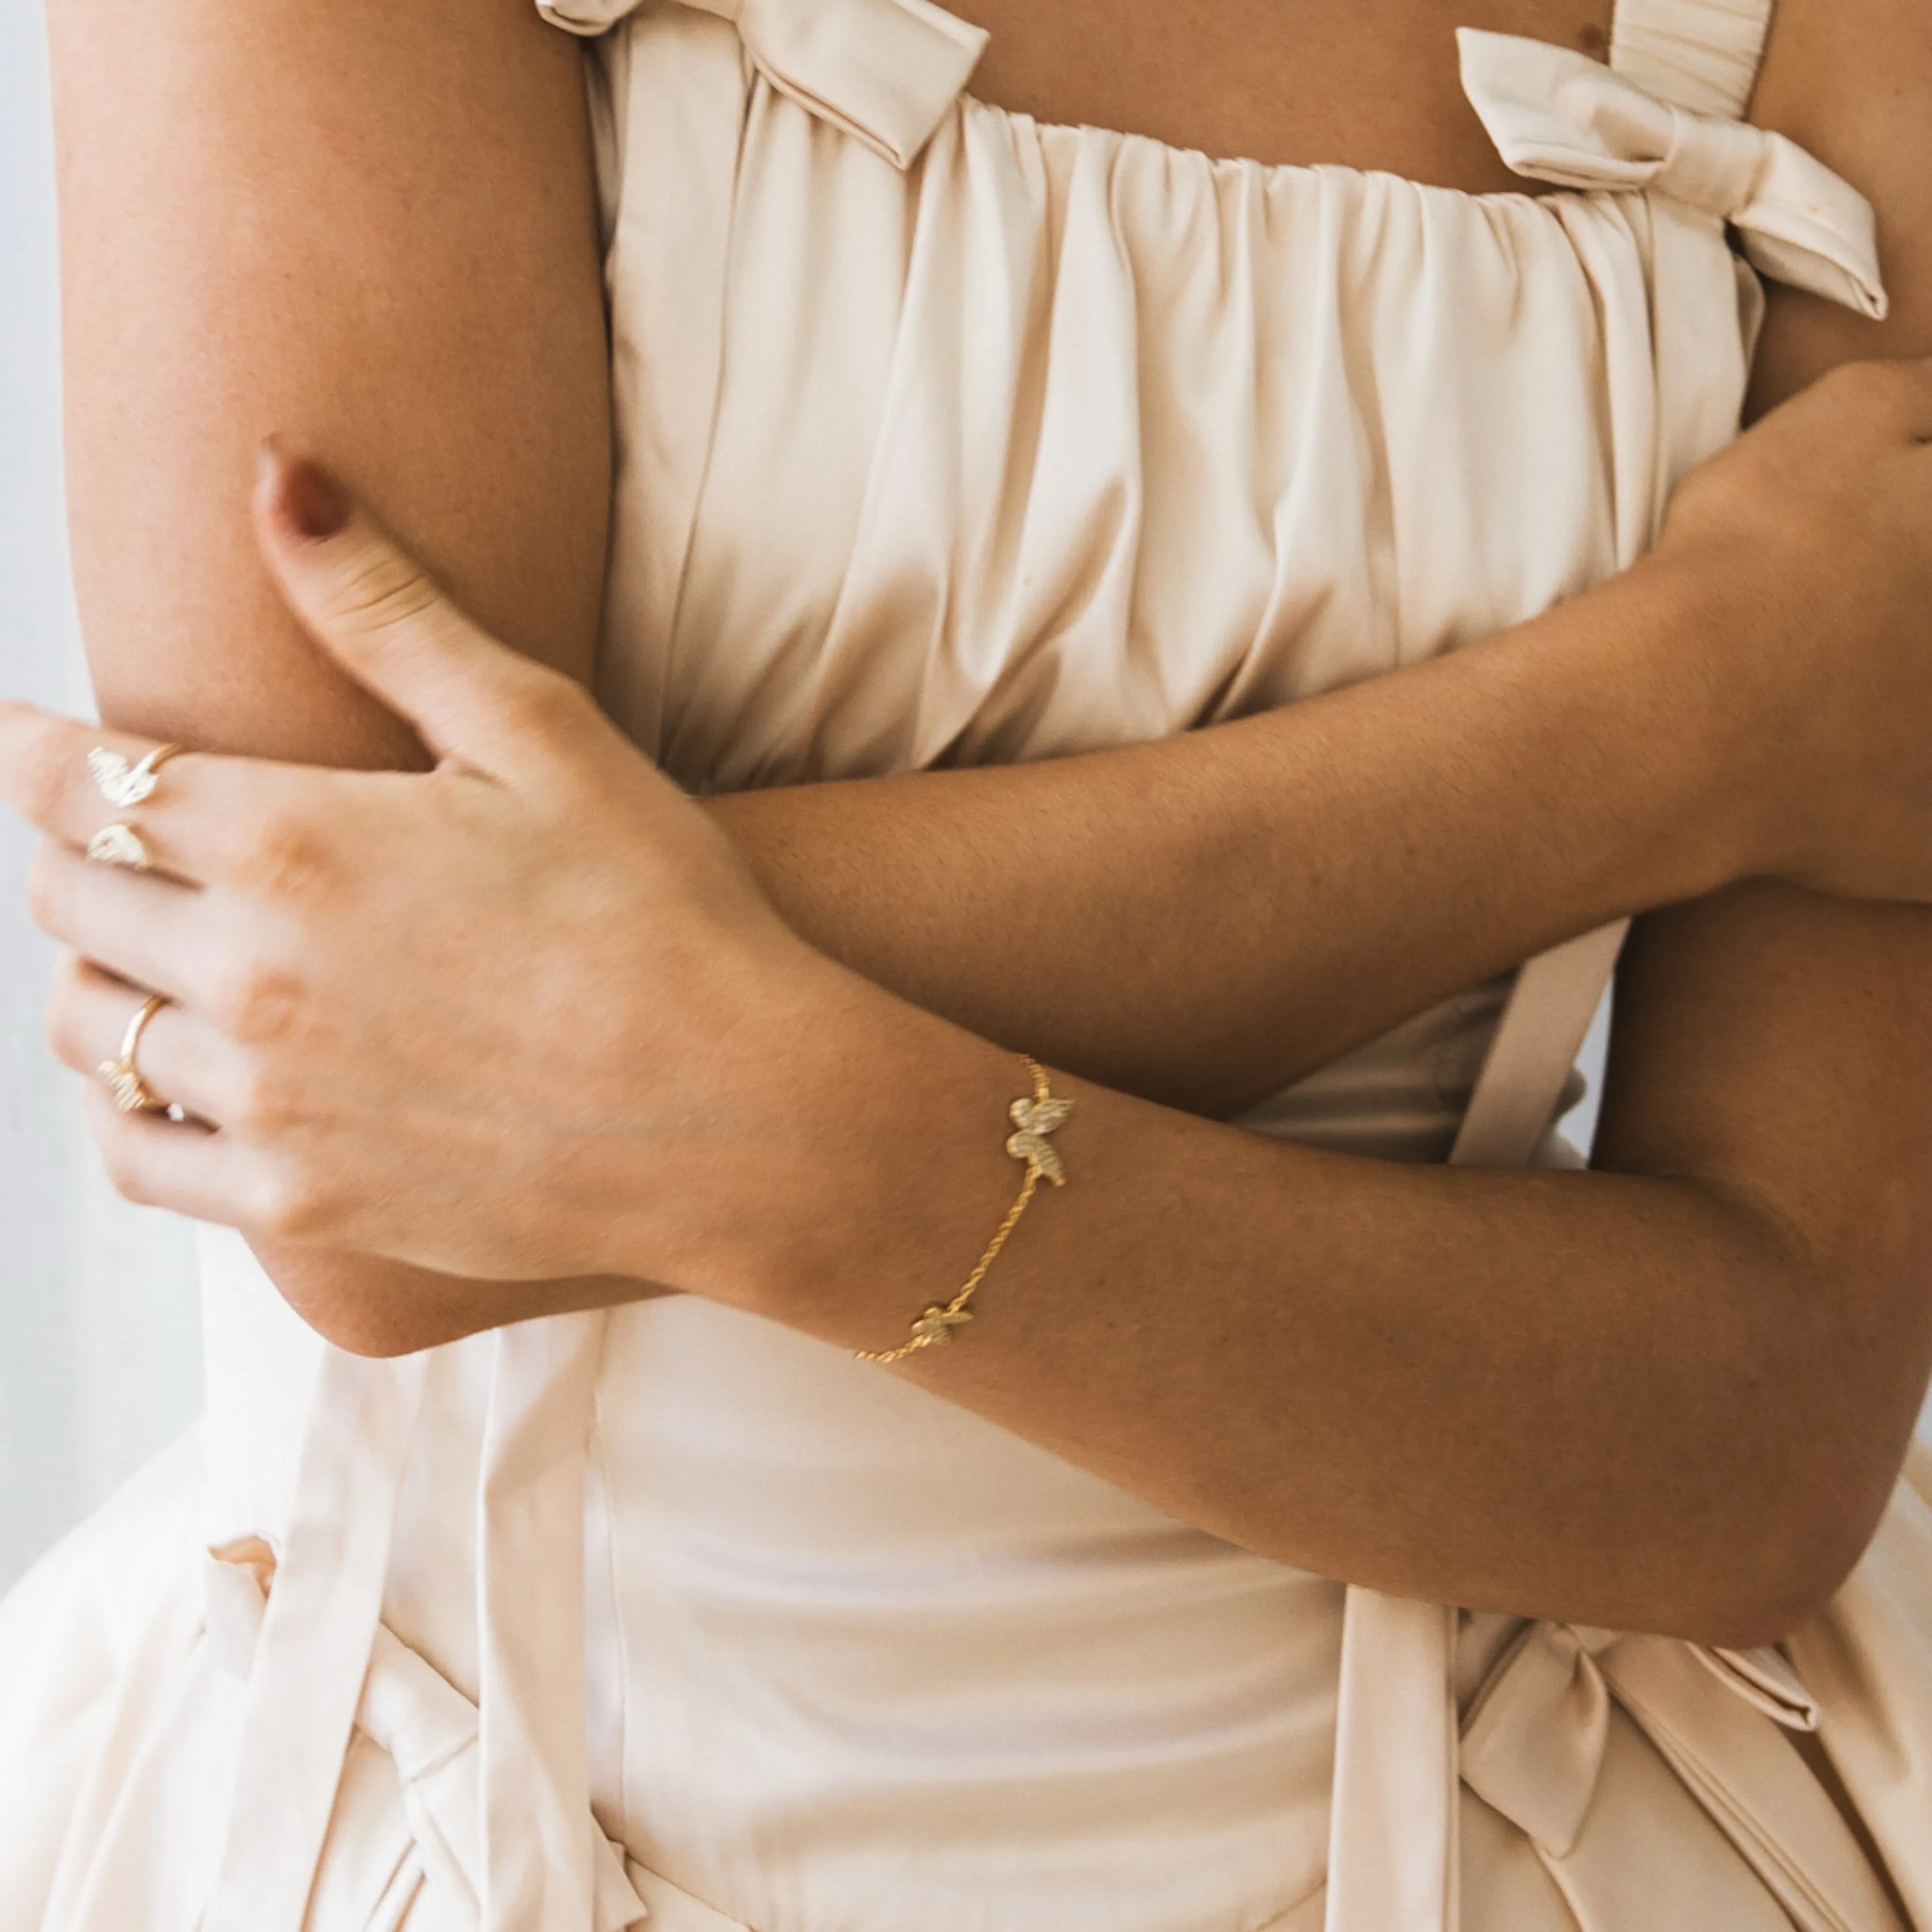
(378, 589)
(256, 1001)
(283, 857)
(1872, 388)
(61, 1024)
(290, 1206)
(551, 709)
(262, 1105)
(122, 1155)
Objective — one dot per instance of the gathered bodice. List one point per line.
(975, 439)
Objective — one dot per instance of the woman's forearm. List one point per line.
(1202, 919)
(1670, 1398)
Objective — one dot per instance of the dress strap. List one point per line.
(540, 1859)
(1548, 1012)
(887, 72)
(306, 1670)
(1556, 116)
(1703, 55)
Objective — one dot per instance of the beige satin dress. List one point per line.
(947, 436)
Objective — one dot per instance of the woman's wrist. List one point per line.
(1652, 758)
(873, 1161)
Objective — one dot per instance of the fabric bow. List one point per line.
(1533, 1742)
(884, 71)
(431, 1734)
(1533, 1746)
(1557, 116)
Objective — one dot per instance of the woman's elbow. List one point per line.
(1809, 1515)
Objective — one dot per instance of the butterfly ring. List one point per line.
(123, 784)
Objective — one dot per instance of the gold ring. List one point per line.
(122, 846)
(123, 784)
(132, 1094)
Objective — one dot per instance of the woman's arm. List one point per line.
(1669, 1396)
(369, 226)
(372, 225)
(1202, 919)
(1290, 885)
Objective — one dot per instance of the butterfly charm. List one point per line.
(1034, 1121)
(121, 783)
(130, 1092)
(119, 845)
(936, 1324)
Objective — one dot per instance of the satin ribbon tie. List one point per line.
(1533, 1747)
(304, 1667)
(1533, 1742)
(1556, 116)
(429, 1731)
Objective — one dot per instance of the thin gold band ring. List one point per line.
(132, 1094)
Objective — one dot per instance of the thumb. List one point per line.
(381, 616)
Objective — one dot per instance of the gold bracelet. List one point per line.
(1032, 1120)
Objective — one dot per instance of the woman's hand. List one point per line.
(1813, 532)
(524, 1015)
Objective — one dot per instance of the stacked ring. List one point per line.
(132, 1094)
(124, 785)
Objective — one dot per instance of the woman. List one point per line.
(949, 436)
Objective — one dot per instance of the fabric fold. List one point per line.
(886, 72)
(1556, 116)
(539, 1839)
(430, 1733)
(306, 1672)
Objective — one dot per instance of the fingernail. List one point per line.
(307, 499)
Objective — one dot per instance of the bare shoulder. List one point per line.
(1852, 81)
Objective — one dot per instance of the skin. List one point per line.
(1741, 1292)
(797, 1114)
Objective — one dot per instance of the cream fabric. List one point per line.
(948, 437)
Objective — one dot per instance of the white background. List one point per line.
(98, 1362)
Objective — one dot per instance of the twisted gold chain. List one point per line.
(1032, 1120)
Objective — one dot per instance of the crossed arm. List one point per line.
(1717, 1345)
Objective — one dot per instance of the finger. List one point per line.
(45, 774)
(380, 615)
(140, 926)
(158, 1162)
(209, 819)
(182, 1060)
